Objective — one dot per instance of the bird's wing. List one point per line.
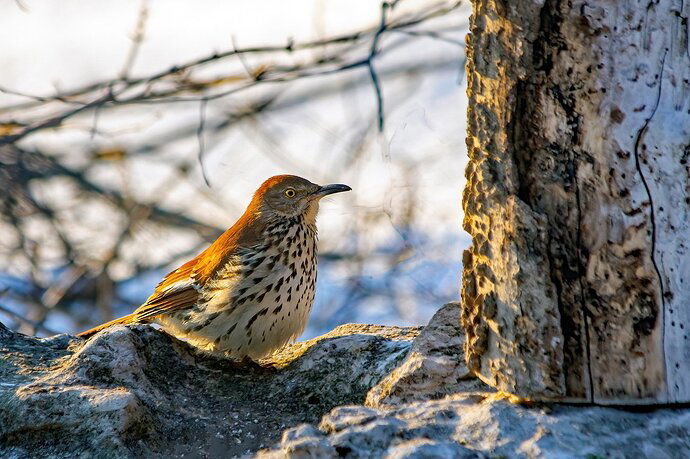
(181, 288)
(178, 290)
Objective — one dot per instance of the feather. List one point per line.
(178, 290)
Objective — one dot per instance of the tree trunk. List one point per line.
(577, 283)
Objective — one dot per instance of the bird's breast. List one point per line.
(261, 299)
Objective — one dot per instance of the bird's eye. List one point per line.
(290, 193)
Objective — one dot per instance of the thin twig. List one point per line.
(32, 323)
(55, 121)
(200, 139)
(137, 40)
(369, 62)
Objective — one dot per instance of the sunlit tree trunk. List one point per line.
(577, 283)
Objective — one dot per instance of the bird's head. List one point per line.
(292, 196)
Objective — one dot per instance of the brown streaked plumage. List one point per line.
(251, 291)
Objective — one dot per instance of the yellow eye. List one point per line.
(290, 193)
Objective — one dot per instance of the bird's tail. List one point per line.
(128, 319)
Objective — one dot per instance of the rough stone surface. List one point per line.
(434, 367)
(578, 199)
(486, 425)
(135, 392)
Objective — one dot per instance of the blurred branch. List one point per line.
(35, 325)
(32, 323)
(276, 102)
(34, 164)
(373, 51)
(56, 120)
(137, 40)
(200, 138)
(125, 90)
(403, 23)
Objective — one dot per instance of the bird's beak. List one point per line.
(330, 189)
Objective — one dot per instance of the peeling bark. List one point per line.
(578, 200)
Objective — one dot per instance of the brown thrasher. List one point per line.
(251, 291)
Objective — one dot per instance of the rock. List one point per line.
(134, 391)
(435, 366)
(410, 414)
(304, 441)
(488, 425)
(425, 448)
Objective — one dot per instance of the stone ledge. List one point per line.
(134, 391)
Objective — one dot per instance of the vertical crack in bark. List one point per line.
(638, 166)
(568, 106)
(583, 298)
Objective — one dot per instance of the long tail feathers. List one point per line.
(128, 319)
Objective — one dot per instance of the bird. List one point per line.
(251, 291)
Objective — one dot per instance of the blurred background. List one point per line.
(132, 133)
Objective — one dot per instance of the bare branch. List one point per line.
(290, 47)
(137, 40)
(200, 139)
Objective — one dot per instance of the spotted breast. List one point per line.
(260, 300)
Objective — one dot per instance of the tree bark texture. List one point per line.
(577, 283)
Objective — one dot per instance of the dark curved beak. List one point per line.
(331, 189)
